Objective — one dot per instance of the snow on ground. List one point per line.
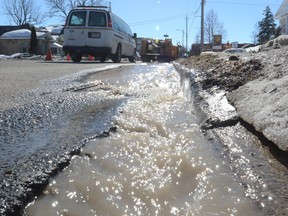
(253, 49)
(4, 56)
(20, 56)
(256, 84)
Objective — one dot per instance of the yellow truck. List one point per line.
(158, 50)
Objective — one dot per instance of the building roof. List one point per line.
(25, 34)
(54, 29)
(282, 11)
(4, 29)
(17, 34)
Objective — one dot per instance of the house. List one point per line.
(16, 39)
(58, 38)
(7, 48)
(282, 16)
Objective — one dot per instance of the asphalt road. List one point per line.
(19, 76)
(44, 121)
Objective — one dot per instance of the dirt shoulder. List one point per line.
(241, 101)
(256, 84)
(225, 71)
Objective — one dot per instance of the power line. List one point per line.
(194, 16)
(240, 3)
(146, 22)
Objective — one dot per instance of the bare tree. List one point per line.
(22, 12)
(61, 8)
(197, 39)
(254, 35)
(212, 26)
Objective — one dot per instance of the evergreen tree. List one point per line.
(267, 27)
(278, 31)
(33, 41)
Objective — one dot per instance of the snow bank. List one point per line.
(277, 43)
(263, 103)
(14, 56)
(4, 56)
(20, 56)
(253, 49)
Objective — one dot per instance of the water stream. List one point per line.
(157, 162)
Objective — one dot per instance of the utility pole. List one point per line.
(183, 38)
(202, 25)
(186, 33)
(183, 32)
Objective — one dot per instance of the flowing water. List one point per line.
(156, 163)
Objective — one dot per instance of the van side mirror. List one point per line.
(134, 35)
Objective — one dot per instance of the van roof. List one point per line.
(91, 7)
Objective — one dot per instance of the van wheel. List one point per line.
(76, 57)
(118, 54)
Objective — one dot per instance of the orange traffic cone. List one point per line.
(91, 58)
(68, 57)
(49, 55)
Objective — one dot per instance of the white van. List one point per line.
(96, 31)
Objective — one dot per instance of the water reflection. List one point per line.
(157, 163)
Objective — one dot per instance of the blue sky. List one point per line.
(155, 18)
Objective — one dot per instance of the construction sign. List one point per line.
(217, 39)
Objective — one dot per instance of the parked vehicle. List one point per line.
(158, 50)
(96, 31)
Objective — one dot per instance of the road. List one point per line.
(45, 117)
(156, 161)
(52, 110)
(18, 76)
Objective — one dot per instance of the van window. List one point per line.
(97, 19)
(78, 18)
(128, 30)
(115, 23)
(120, 25)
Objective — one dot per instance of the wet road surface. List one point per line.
(44, 119)
(156, 162)
(151, 159)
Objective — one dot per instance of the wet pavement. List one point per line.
(45, 124)
(44, 120)
(156, 162)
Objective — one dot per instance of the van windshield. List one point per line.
(97, 19)
(77, 18)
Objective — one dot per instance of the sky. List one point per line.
(156, 18)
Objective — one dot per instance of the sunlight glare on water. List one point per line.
(157, 163)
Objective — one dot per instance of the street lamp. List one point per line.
(183, 33)
(182, 36)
